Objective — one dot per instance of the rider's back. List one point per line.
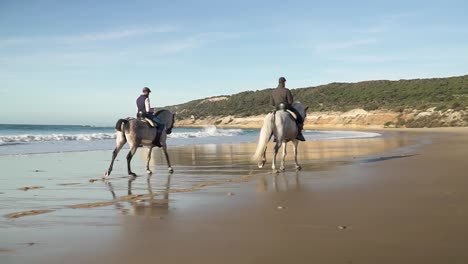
(281, 95)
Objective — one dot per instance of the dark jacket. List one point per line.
(281, 95)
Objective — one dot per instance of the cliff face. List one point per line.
(356, 118)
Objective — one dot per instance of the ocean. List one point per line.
(35, 139)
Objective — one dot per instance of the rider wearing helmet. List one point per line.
(282, 96)
(145, 110)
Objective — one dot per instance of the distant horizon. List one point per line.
(211, 96)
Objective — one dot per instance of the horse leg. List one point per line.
(114, 155)
(277, 146)
(129, 158)
(148, 161)
(169, 167)
(298, 167)
(282, 168)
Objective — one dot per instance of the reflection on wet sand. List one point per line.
(279, 183)
(229, 154)
(143, 204)
(213, 165)
(197, 167)
(151, 206)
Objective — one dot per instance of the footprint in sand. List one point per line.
(26, 188)
(68, 184)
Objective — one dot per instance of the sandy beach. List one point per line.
(399, 198)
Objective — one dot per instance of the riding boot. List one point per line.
(157, 139)
(299, 136)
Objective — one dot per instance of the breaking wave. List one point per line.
(11, 139)
(25, 138)
(211, 131)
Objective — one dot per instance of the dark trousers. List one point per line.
(299, 119)
(154, 118)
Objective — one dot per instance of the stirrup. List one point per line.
(157, 142)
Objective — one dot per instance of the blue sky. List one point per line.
(85, 62)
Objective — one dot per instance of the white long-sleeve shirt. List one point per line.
(147, 106)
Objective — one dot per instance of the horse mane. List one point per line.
(160, 111)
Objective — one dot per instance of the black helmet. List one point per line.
(146, 89)
(282, 80)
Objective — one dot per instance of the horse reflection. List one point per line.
(118, 205)
(279, 183)
(151, 207)
(147, 205)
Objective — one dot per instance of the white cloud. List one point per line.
(333, 46)
(387, 22)
(370, 58)
(141, 53)
(90, 37)
(120, 34)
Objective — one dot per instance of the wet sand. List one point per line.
(400, 198)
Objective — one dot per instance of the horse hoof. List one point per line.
(261, 163)
(298, 168)
(282, 168)
(149, 172)
(131, 178)
(171, 170)
(276, 171)
(132, 174)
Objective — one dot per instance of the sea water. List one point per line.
(33, 139)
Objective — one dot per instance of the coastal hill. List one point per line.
(433, 102)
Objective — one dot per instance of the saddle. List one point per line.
(283, 107)
(293, 115)
(141, 117)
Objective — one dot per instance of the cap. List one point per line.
(146, 89)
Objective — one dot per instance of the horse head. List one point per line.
(168, 118)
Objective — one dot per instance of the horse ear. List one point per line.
(305, 109)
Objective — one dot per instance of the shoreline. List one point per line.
(202, 137)
(381, 131)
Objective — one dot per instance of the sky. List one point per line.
(85, 62)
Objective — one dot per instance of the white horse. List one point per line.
(283, 127)
(139, 133)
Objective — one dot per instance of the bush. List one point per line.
(419, 94)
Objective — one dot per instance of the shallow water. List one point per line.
(65, 181)
(31, 139)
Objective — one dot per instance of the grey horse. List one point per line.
(283, 127)
(138, 133)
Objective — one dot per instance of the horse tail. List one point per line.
(265, 135)
(119, 126)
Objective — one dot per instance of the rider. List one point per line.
(145, 110)
(282, 95)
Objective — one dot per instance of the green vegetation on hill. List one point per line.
(421, 94)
